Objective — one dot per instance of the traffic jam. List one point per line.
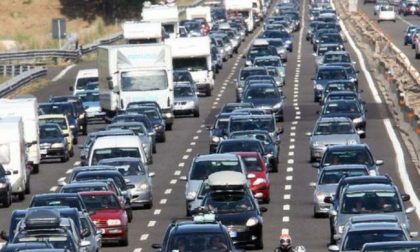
(115, 118)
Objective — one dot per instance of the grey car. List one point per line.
(331, 131)
(186, 100)
(136, 173)
(327, 183)
(204, 165)
(370, 199)
(141, 131)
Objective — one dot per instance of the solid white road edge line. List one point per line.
(63, 72)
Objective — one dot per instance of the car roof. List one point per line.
(373, 218)
(348, 147)
(114, 141)
(369, 187)
(240, 140)
(183, 84)
(56, 195)
(342, 93)
(216, 157)
(49, 116)
(390, 244)
(81, 184)
(97, 193)
(191, 227)
(250, 68)
(323, 67)
(251, 116)
(250, 132)
(333, 119)
(344, 167)
(336, 52)
(363, 179)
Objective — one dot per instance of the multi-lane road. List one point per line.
(291, 207)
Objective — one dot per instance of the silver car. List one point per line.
(327, 183)
(331, 131)
(204, 165)
(186, 100)
(136, 173)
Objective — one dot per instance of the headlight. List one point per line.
(259, 181)
(351, 141)
(215, 139)
(340, 229)
(252, 222)
(248, 63)
(144, 145)
(278, 106)
(319, 87)
(358, 120)
(191, 195)
(57, 145)
(82, 116)
(113, 222)
(372, 173)
(282, 74)
(315, 144)
(144, 186)
(3, 185)
(320, 196)
(288, 42)
(72, 126)
(158, 126)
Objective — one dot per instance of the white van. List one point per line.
(27, 108)
(13, 154)
(84, 77)
(116, 146)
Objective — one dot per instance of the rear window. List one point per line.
(202, 169)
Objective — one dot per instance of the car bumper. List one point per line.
(184, 109)
(203, 87)
(168, 115)
(4, 193)
(113, 234)
(263, 189)
(52, 153)
(242, 235)
(95, 114)
(321, 207)
(141, 199)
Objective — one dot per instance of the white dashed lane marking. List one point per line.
(168, 191)
(151, 223)
(163, 201)
(157, 211)
(173, 181)
(144, 237)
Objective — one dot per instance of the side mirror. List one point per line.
(4, 236)
(379, 162)
(7, 173)
(251, 175)
(263, 209)
(317, 112)
(410, 210)
(243, 56)
(84, 243)
(183, 178)
(314, 54)
(152, 174)
(308, 134)
(312, 184)
(316, 165)
(333, 248)
(332, 213)
(405, 197)
(284, 97)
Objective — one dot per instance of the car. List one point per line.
(169, 118)
(324, 48)
(53, 143)
(26, 246)
(342, 89)
(409, 8)
(136, 173)
(203, 166)
(271, 148)
(91, 104)
(257, 175)
(408, 34)
(266, 97)
(336, 57)
(217, 59)
(331, 131)
(5, 187)
(352, 109)
(327, 183)
(91, 234)
(186, 100)
(387, 13)
(244, 73)
(60, 120)
(141, 131)
(81, 115)
(272, 61)
(155, 118)
(417, 46)
(258, 51)
(68, 110)
(324, 75)
(202, 233)
(280, 47)
(254, 122)
(285, 36)
(84, 77)
(181, 76)
(234, 206)
(108, 215)
(378, 5)
(241, 145)
(72, 200)
(138, 118)
(370, 199)
(232, 106)
(349, 154)
(391, 246)
(333, 37)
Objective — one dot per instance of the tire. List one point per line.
(154, 148)
(71, 153)
(259, 244)
(168, 126)
(267, 200)
(208, 92)
(35, 169)
(85, 130)
(7, 201)
(148, 205)
(129, 215)
(417, 55)
(197, 113)
(163, 139)
(124, 241)
(21, 196)
(75, 140)
(405, 43)
(317, 215)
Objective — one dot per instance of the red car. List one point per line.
(108, 215)
(257, 174)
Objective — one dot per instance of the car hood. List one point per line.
(327, 188)
(51, 140)
(335, 139)
(106, 214)
(137, 180)
(263, 101)
(349, 115)
(239, 218)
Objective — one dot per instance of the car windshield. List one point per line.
(72, 202)
(83, 188)
(180, 76)
(89, 97)
(151, 113)
(59, 121)
(82, 82)
(183, 91)
(259, 52)
(328, 128)
(202, 169)
(59, 240)
(126, 168)
(191, 64)
(337, 97)
(241, 124)
(356, 239)
(150, 80)
(395, 248)
(100, 202)
(228, 202)
(276, 43)
(198, 242)
(342, 86)
(334, 176)
(252, 164)
(332, 74)
(261, 93)
(355, 156)
(263, 138)
(239, 146)
(341, 107)
(139, 130)
(267, 62)
(249, 72)
(370, 202)
(116, 152)
(49, 132)
(332, 58)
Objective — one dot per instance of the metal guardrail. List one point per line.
(20, 80)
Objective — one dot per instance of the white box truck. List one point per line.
(27, 108)
(193, 54)
(13, 154)
(130, 73)
(168, 16)
(138, 32)
(243, 7)
(199, 12)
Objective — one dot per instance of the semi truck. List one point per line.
(137, 32)
(193, 54)
(243, 8)
(167, 15)
(140, 72)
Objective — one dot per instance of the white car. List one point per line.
(386, 13)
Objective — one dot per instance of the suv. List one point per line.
(82, 119)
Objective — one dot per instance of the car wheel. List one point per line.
(163, 139)
(208, 92)
(168, 126)
(28, 187)
(154, 148)
(71, 153)
(148, 205)
(124, 241)
(7, 201)
(417, 55)
(259, 244)
(75, 140)
(266, 200)
(35, 168)
(85, 131)
(197, 113)
(129, 215)
(21, 196)
(317, 215)
(413, 46)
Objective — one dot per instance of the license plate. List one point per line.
(43, 151)
(233, 234)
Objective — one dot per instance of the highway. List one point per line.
(291, 208)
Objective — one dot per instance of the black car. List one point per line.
(72, 200)
(64, 108)
(5, 187)
(202, 233)
(155, 119)
(169, 117)
(53, 143)
(240, 213)
(82, 119)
